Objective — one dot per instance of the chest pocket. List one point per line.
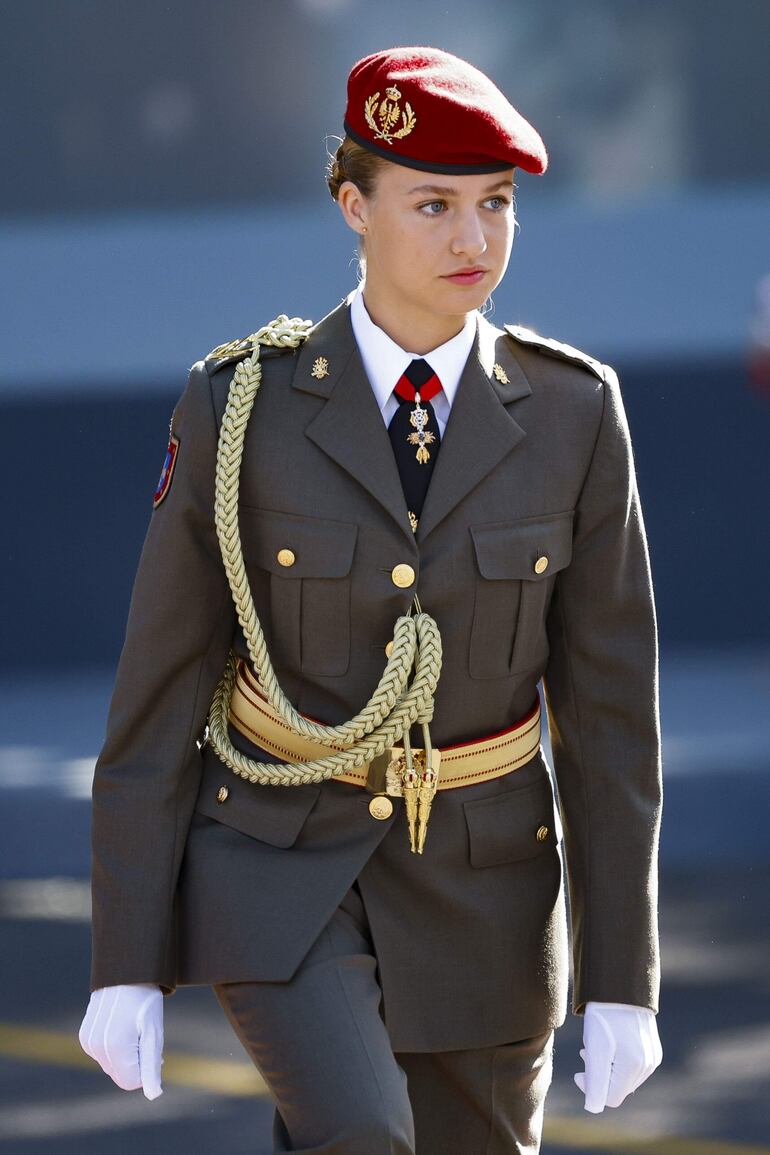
(302, 564)
(517, 562)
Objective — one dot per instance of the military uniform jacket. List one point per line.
(471, 936)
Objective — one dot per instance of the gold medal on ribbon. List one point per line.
(419, 418)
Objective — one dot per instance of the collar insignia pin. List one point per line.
(320, 368)
(501, 374)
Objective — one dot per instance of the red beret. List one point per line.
(427, 109)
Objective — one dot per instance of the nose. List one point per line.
(469, 238)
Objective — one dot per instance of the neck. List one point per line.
(415, 330)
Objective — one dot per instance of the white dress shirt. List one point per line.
(385, 361)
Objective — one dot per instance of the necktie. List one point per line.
(414, 433)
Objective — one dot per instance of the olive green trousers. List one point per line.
(321, 1045)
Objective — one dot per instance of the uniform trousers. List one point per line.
(322, 1047)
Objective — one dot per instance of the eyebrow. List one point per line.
(445, 190)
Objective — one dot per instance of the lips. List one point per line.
(467, 276)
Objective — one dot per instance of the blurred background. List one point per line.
(162, 192)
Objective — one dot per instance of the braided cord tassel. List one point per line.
(394, 705)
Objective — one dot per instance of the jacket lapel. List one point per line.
(350, 428)
(480, 430)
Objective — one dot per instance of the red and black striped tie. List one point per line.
(415, 439)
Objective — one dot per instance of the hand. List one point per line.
(621, 1050)
(123, 1030)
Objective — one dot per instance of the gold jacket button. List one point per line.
(389, 648)
(541, 565)
(223, 793)
(286, 557)
(380, 806)
(402, 575)
(542, 833)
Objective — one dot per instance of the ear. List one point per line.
(353, 206)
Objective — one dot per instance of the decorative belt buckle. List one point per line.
(384, 772)
(391, 773)
(396, 773)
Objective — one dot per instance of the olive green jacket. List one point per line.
(471, 936)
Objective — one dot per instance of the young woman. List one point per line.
(322, 789)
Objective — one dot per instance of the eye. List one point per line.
(499, 204)
(427, 208)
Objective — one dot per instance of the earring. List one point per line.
(363, 228)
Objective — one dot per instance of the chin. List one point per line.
(460, 298)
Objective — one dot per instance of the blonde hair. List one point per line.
(357, 164)
(354, 163)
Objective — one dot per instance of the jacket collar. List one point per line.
(385, 361)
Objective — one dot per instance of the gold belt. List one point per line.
(400, 772)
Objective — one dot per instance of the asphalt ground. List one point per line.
(709, 1097)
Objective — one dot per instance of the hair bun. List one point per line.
(354, 163)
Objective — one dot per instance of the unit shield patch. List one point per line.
(167, 472)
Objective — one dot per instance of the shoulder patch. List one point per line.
(167, 472)
(555, 348)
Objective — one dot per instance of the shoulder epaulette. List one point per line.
(231, 350)
(237, 350)
(555, 348)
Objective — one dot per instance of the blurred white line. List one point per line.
(735, 1057)
(715, 754)
(105, 1112)
(44, 768)
(56, 899)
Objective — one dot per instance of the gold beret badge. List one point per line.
(389, 113)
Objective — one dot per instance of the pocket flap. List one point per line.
(321, 547)
(511, 826)
(273, 814)
(516, 549)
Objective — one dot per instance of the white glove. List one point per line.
(123, 1030)
(621, 1050)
